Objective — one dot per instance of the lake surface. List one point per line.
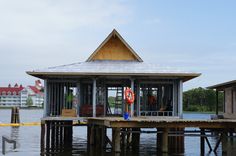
(28, 137)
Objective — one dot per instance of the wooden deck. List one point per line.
(163, 125)
(161, 122)
(61, 119)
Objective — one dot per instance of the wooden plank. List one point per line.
(161, 122)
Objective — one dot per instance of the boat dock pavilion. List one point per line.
(81, 91)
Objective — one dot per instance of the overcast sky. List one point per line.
(197, 36)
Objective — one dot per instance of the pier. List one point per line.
(169, 131)
(164, 126)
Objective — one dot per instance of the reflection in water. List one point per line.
(29, 138)
(15, 130)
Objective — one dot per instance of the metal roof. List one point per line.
(127, 68)
(224, 85)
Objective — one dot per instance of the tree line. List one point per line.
(201, 100)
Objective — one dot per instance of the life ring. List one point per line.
(129, 96)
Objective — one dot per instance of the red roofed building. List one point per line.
(36, 95)
(18, 95)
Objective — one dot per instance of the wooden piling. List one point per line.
(52, 136)
(135, 139)
(42, 141)
(202, 142)
(56, 136)
(158, 140)
(224, 142)
(165, 140)
(48, 136)
(116, 140)
(15, 116)
(61, 134)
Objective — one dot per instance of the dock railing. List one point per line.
(7, 139)
(156, 113)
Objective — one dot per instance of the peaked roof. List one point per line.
(35, 90)
(114, 33)
(11, 90)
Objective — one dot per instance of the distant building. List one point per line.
(229, 103)
(18, 95)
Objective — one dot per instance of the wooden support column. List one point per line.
(217, 102)
(97, 142)
(53, 135)
(61, 133)
(57, 136)
(88, 137)
(48, 136)
(224, 142)
(202, 142)
(164, 148)
(158, 140)
(42, 141)
(91, 139)
(94, 96)
(103, 137)
(136, 139)
(116, 140)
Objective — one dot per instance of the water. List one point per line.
(28, 137)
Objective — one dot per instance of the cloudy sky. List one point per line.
(197, 36)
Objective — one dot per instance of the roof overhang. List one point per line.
(183, 76)
(222, 86)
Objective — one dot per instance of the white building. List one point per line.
(18, 95)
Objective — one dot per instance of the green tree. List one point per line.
(111, 101)
(201, 99)
(29, 102)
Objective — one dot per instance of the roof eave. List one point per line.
(184, 76)
(222, 86)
